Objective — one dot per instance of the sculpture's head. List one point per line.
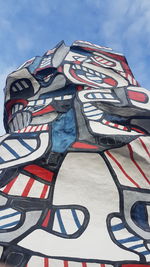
(95, 79)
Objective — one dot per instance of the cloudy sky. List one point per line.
(31, 27)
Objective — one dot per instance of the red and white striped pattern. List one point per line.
(104, 61)
(26, 186)
(47, 262)
(131, 163)
(129, 77)
(37, 128)
(114, 125)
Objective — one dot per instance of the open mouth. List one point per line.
(92, 77)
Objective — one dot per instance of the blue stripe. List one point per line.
(76, 218)
(25, 144)
(9, 215)
(117, 227)
(129, 239)
(1, 160)
(62, 228)
(90, 110)
(10, 150)
(88, 106)
(9, 224)
(145, 252)
(136, 246)
(94, 115)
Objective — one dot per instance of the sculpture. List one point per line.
(74, 164)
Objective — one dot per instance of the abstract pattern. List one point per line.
(74, 163)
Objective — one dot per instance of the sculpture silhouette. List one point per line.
(74, 164)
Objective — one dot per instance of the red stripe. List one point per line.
(80, 87)
(66, 264)
(40, 128)
(34, 128)
(44, 111)
(102, 265)
(125, 128)
(137, 130)
(121, 168)
(137, 96)
(84, 264)
(84, 145)
(144, 146)
(110, 81)
(28, 187)
(44, 191)
(60, 69)
(46, 220)
(9, 186)
(31, 129)
(136, 164)
(46, 264)
(40, 172)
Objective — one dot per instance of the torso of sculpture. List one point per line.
(74, 164)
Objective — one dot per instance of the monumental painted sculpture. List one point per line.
(74, 164)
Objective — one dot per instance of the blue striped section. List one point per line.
(25, 144)
(136, 246)
(90, 110)
(87, 106)
(11, 150)
(129, 239)
(76, 218)
(9, 215)
(93, 115)
(9, 225)
(117, 227)
(62, 228)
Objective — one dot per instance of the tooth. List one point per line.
(25, 84)
(19, 86)
(14, 89)
(97, 73)
(94, 95)
(90, 96)
(94, 78)
(91, 71)
(57, 98)
(85, 69)
(78, 67)
(108, 96)
(98, 95)
(73, 67)
(103, 76)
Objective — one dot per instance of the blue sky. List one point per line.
(31, 27)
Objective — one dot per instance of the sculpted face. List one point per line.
(97, 78)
